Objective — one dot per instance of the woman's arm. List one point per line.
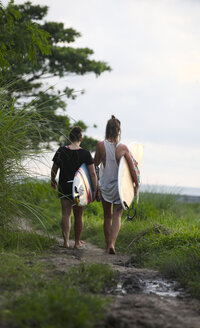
(93, 177)
(54, 171)
(131, 168)
(99, 154)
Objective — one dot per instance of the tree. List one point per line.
(13, 45)
(47, 54)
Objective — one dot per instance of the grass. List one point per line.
(95, 278)
(57, 307)
(33, 293)
(40, 203)
(166, 238)
(23, 241)
(165, 235)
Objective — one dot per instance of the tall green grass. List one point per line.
(15, 127)
(23, 241)
(19, 133)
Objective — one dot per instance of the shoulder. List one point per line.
(122, 148)
(57, 156)
(100, 146)
(61, 149)
(86, 156)
(58, 151)
(84, 151)
(62, 153)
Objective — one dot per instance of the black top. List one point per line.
(69, 161)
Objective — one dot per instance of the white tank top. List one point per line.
(108, 177)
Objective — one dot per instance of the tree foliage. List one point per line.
(19, 42)
(32, 52)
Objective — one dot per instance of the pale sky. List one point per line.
(153, 48)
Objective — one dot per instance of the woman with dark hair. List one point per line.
(68, 159)
(108, 154)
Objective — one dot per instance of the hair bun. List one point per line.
(112, 116)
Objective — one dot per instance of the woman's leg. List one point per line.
(117, 213)
(66, 220)
(107, 221)
(78, 224)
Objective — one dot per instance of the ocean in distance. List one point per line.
(188, 191)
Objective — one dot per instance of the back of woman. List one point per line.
(108, 154)
(108, 178)
(68, 160)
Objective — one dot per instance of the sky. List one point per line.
(153, 48)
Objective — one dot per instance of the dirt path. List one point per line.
(142, 299)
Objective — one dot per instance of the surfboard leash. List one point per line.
(131, 210)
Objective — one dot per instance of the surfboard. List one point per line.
(125, 184)
(82, 190)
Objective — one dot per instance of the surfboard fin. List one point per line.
(125, 205)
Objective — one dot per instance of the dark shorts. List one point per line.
(65, 191)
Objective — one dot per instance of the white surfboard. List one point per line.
(125, 184)
(82, 190)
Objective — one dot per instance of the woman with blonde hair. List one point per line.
(108, 154)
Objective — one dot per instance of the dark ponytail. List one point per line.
(75, 134)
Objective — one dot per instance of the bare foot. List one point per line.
(65, 244)
(112, 250)
(65, 240)
(79, 244)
